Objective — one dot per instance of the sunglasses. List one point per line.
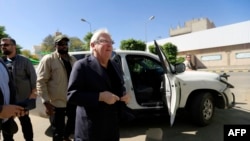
(62, 44)
(4, 45)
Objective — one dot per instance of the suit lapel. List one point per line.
(117, 70)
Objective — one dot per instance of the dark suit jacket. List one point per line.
(12, 93)
(86, 81)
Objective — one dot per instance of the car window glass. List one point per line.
(139, 63)
(117, 59)
(79, 56)
(146, 75)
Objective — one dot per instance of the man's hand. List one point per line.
(126, 98)
(108, 97)
(49, 108)
(33, 94)
(11, 110)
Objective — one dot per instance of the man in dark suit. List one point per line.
(96, 86)
(7, 98)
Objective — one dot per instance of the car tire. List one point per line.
(202, 109)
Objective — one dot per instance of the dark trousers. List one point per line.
(71, 117)
(104, 127)
(81, 126)
(60, 128)
(58, 123)
(26, 129)
(7, 137)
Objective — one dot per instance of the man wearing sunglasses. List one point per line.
(7, 98)
(24, 75)
(53, 73)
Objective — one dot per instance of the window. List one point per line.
(211, 57)
(242, 55)
(146, 75)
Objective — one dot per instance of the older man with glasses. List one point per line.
(96, 85)
(53, 74)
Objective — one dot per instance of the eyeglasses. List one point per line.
(103, 41)
(5, 45)
(62, 44)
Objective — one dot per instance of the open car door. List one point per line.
(172, 95)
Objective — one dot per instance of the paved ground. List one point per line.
(41, 125)
(41, 129)
(228, 69)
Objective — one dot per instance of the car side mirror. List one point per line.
(179, 68)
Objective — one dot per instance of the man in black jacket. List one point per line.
(7, 98)
(24, 77)
(96, 85)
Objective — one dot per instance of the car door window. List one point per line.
(117, 59)
(146, 75)
(79, 56)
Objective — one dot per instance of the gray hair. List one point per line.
(98, 33)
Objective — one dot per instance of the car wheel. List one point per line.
(202, 109)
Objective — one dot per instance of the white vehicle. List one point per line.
(156, 85)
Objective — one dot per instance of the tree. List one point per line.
(2, 32)
(26, 53)
(151, 49)
(2, 35)
(18, 49)
(47, 45)
(87, 38)
(171, 51)
(76, 44)
(33, 58)
(132, 44)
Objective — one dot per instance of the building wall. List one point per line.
(225, 46)
(227, 56)
(240, 57)
(192, 26)
(202, 24)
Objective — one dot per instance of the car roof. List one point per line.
(82, 54)
(117, 51)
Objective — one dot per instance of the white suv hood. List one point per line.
(197, 75)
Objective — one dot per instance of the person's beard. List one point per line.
(6, 52)
(62, 51)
